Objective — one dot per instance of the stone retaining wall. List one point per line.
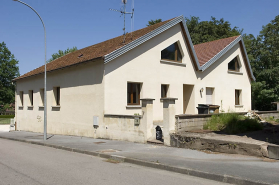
(193, 122)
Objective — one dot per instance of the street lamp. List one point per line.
(45, 95)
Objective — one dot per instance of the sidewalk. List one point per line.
(236, 169)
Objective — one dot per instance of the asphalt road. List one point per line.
(22, 163)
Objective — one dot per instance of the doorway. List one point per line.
(188, 99)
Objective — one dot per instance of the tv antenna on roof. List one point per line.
(123, 12)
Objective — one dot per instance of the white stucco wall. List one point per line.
(95, 89)
(143, 65)
(81, 98)
(225, 83)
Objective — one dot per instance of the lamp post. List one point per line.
(45, 95)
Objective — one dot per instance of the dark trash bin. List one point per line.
(208, 109)
(202, 109)
(159, 133)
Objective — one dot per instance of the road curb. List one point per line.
(187, 171)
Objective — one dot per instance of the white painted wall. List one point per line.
(225, 83)
(82, 97)
(95, 89)
(143, 65)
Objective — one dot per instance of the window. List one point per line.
(209, 95)
(31, 97)
(21, 98)
(164, 91)
(42, 97)
(234, 65)
(56, 91)
(133, 93)
(238, 97)
(172, 53)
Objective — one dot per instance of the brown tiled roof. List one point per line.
(92, 52)
(206, 51)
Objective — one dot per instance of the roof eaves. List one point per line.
(191, 44)
(225, 50)
(111, 56)
(90, 60)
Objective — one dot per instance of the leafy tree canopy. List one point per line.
(152, 22)
(8, 71)
(206, 31)
(61, 53)
(264, 56)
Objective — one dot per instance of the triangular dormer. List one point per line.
(172, 53)
(234, 65)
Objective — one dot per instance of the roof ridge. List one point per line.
(98, 50)
(127, 34)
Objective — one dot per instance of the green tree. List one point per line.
(8, 71)
(61, 53)
(205, 31)
(264, 53)
(152, 22)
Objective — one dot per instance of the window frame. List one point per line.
(42, 95)
(138, 91)
(31, 98)
(236, 64)
(238, 95)
(57, 95)
(177, 48)
(164, 87)
(21, 96)
(212, 90)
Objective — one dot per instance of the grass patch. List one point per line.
(272, 120)
(232, 123)
(5, 121)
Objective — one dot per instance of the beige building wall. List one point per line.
(95, 89)
(225, 83)
(81, 98)
(143, 65)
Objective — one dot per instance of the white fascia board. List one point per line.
(224, 51)
(116, 53)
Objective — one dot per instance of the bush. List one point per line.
(7, 116)
(232, 123)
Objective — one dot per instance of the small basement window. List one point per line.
(164, 90)
(234, 65)
(172, 53)
(56, 91)
(133, 93)
(238, 97)
(31, 97)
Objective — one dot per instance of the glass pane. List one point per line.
(168, 53)
(233, 65)
(129, 93)
(163, 91)
(134, 89)
(237, 97)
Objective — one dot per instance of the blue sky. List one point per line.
(83, 23)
